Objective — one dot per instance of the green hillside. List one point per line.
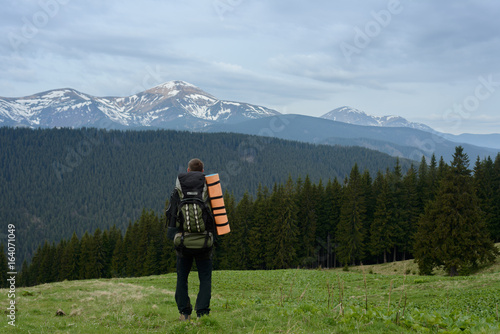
(58, 181)
(274, 301)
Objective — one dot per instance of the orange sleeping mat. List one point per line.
(217, 203)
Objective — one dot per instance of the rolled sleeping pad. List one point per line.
(217, 203)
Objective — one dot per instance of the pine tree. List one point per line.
(322, 243)
(227, 243)
(350, 233)
(381, 231)
(257, 234)
(3, 267)
(46, 273)
(326, 231)
(441, 170)
(306, 220)
(130, 246)
(370, 201)
(151, 266)
(397, 219)
(494, 226)
(487, 184)
(99, 253)
(238, 255)
(119, 259)
(144, 226)
(282, 246)
(152, 256)
(24, 275)
(270, 243)
(411, 210)
(452, 231)
(87, 263)
(423, 186)
(110, 239)
(433, 179)
(70, 259)
(34, 267)
(168, 255)
(106, 254)
(56, 265)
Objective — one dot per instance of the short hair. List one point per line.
(195, 165)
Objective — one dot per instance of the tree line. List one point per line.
(440, 214)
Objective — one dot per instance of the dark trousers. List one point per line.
(204, 265)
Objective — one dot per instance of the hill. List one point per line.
(292, 301)
(395, 141)
(486, 140)
(59, 181)
(409, 267)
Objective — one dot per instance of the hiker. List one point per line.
(191, 226)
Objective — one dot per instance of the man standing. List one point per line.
(191, 226)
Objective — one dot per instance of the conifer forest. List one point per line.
(90, 203)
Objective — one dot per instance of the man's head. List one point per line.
(195, 165)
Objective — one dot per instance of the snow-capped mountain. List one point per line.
(174, 104)
(358, 117)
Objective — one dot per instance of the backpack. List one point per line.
(194, 217)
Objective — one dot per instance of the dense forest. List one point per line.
(442, 214)
(56, 182)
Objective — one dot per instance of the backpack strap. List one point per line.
(187, 201)
(181, 245)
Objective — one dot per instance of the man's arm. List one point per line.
(172, 215)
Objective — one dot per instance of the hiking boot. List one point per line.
(185, 317)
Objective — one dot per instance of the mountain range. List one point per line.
(395, 141)
(172, 105)
(183, 106)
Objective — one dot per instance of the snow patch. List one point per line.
(85, 97)
(174, 83)
(200, 97)
(233, 103)
(173, 93)
(54, 94)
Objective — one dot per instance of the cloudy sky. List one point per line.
(435, 62)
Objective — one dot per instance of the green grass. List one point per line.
(281, 301)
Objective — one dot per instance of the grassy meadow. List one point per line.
(388, 298)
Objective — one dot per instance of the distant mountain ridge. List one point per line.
(354, 116)
(180, 105)
(395, 141)
(351, 115)
(491, 140)
(172, 105)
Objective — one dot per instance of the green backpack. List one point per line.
(194, 216)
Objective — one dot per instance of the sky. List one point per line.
(434, 62)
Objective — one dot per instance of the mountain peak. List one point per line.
(351, 115)
(349, 110)
(175, 84)
(177, 88)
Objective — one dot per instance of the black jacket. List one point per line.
(171, 214)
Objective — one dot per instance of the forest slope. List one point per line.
(58, 181)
